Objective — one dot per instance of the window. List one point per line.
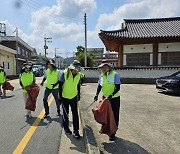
(6, 65)
(170, 58)
(26, 53)
(23, 52)
(138, 59)
(19, 50)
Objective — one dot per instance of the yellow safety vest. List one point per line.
(2, 77)
(52, 78)
(26, 79)
(69, 89)
(108, 85)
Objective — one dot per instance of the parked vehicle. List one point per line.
(169, 83)
(38, 70)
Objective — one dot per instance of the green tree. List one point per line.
(80, 56)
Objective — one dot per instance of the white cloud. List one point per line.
(75, 8)
(64, 21)
(138, 9)
(60, 21)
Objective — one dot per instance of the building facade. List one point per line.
(7, 60)
(23, 50)
(145, 42)
(99, 55)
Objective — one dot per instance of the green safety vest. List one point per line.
(108, 85)
(52, 78)
(2, 77)
(26, 79)
(69, 89)
(82, 75)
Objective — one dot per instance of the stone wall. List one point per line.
(133, 74)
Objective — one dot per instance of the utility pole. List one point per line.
(85, 53)
(17, 52)
(46, 39)
(55, 54)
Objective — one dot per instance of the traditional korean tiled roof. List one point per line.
(146, 28)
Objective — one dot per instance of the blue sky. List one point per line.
(63, 20)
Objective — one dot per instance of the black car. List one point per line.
(169, 83)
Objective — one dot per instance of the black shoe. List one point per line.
(46, 116)
(76, 134)
(58, 113)
(68, 131)
(112, 137)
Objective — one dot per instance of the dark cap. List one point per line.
(75, 67)
(52, 62)
(26, 66)
(76, 62)
(104, 62)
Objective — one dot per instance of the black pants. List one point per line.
(55, 93)
(115, 104)
(74, 108)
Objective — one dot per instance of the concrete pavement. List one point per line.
(149, 121)
(69, 144)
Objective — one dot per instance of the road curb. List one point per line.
(88, 134)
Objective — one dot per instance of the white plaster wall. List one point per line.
(140, 73)
(141, 48)
(169, 47)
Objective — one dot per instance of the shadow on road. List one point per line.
(31, 121)
(50, 120)
(78, 144)
(6, 97)
(43, 122)
(123, 147)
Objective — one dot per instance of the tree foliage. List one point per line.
(80, 56)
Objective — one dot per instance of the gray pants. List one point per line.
(55, 93)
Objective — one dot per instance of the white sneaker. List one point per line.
(27, 114)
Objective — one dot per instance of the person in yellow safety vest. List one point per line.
(52, 77)
(78, 64)
(2, 81)
(26, 78)
(69, 88)
(109, 82)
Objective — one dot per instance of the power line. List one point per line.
(34, 6)
(61, 16)
(27, 13)
(41, 4)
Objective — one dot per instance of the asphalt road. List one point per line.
(149, 121)
(16, 130)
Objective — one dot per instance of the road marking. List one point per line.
(21, 146)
